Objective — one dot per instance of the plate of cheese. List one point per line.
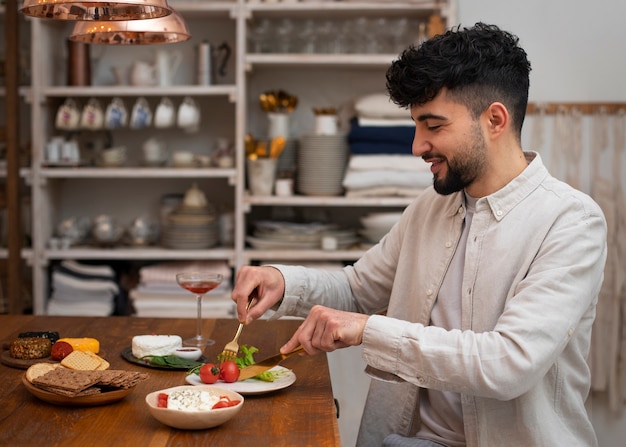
(163, 346)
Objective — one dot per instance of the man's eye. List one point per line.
(434, 127)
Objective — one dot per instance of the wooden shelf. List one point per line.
(586, 108)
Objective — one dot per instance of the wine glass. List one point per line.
(199, 283)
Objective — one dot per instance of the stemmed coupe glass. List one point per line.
(199, 283)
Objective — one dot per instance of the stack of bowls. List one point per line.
(191, 227)
(376, 225)
(322, 161)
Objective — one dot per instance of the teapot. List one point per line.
(143, 74)
(167, 63)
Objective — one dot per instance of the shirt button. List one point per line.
(499, 212)
(429, 292)
(420, 380)
(448, 244)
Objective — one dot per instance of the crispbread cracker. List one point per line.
(83, 360)
(39, 369)
(76, 383)
(68, 379)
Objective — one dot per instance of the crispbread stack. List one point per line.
(75, 383)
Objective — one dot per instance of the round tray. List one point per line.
(103, 398)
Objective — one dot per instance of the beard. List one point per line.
(465, 167)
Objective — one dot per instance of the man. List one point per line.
(475, 312)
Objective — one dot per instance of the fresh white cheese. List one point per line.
(191, 400)
(144, 345)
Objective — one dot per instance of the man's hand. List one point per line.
(325, 330)
(265, 284)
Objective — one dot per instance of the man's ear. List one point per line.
(497, 118)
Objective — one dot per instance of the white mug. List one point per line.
(154, 152)
(53, 149)
(141, 115)
(68, 115)
(70, 152)
(116, 115)
(92, 116)
(165, 115)
(188, 114)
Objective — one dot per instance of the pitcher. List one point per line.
(167, 63)
(212, 62)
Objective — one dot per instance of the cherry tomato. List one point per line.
(162, 400)
(229, 371)
(209, 373)
(225, 402)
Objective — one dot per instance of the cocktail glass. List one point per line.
(199, 283)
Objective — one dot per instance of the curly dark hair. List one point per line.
(477, 65)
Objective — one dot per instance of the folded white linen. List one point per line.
(384, 191)
(365, 121)
(86, 269)
(158, 305)
(388, 177)
(95, 309)
(160, 288)
(63, 280)
(378, 105)
(387, 161)
(165, 272)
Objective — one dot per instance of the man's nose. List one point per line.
(420, 145)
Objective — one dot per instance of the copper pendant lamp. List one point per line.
(100, 10)
(168, 29)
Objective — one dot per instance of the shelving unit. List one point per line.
(229, 109)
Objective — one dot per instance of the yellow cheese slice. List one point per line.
(83, 344)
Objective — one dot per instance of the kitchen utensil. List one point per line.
(232, 347)
(267, 364)
(276, 147)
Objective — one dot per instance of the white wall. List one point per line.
(577, 50)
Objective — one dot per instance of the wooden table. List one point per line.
(303, 414)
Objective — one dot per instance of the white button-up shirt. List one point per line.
(534, 265)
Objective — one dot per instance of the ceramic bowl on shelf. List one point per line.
(195, 419)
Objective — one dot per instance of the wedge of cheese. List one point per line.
(83, 344)
(159, 345)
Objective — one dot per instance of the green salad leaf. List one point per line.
(170, 361)
(247, 359)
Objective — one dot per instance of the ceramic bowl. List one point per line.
(188, 352)
(194, 420)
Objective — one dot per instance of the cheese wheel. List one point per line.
(158, 345)
(83, 344)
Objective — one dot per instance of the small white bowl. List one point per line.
(189, 353)
(194, 420)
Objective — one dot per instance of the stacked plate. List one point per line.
(272, 235)
(322, 161)
(376, 225)
(191, 228)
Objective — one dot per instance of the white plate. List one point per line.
(252, 386)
